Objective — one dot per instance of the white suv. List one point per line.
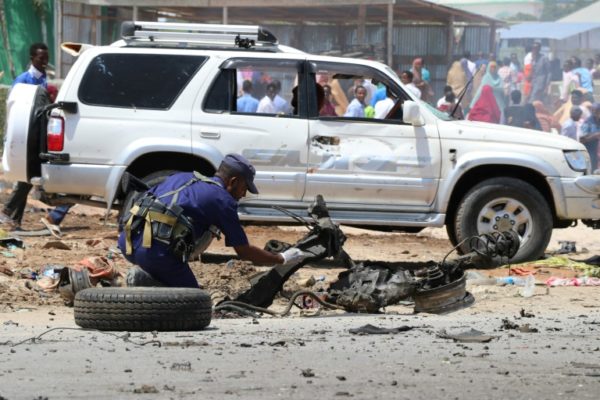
(165, 98)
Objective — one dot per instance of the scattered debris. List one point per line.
(375, 330)
(525, 314)
(508, 325)
(525, 328)
(56, 244)
(146, 389)
(566, 247)
(10, 242)
(470, 336)
(583, 281)
(185, 366)
(308, 373)
(584, 365)
(6, 271)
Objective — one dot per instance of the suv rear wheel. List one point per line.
(501, 204)
(151, 180)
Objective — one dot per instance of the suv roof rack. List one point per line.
(239, 36)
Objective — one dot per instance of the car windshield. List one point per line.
(440, 114)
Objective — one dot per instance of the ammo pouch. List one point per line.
(164, 223)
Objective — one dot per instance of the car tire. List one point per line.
(151, 180)
(500, 204)
(143, 309)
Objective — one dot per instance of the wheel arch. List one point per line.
(480, 173)
(166, 160)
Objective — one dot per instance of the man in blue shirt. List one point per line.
(585, 78)
(356, 108)
(36, 74)
(590, 133)
(13, 210)
(207, 203)
(246, 103)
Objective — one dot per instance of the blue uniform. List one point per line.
(589, 127)
(29, 77)
(247, 104)
(205, 204)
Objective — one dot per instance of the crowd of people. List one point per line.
(517, 94)
(510, 91)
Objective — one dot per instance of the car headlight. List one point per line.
(578, 160)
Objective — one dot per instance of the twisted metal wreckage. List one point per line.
(369, 286)
(364, 287)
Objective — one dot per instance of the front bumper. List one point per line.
(576, 198)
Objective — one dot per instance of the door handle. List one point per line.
(210, 135)
(326, 140)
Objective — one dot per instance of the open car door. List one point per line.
(25, 132)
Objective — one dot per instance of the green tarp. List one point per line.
(24, 22)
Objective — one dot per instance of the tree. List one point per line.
(554, 10)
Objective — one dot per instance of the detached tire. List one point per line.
(143, 309)
(500, 204)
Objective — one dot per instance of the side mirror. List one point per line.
(411, 113)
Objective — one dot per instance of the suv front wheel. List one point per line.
(500, 204)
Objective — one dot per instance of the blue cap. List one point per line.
(242, 167)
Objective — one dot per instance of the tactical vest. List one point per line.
(164, 223)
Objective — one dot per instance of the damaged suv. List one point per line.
(165, 99)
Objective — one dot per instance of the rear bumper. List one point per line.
(81, 179)
(576, 198)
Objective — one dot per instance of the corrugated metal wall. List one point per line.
(409, 41)
(80, 24)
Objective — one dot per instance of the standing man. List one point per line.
(267, 104)
(13, 210)
(179, 217)
(246, 103)
(406, 77)
(585, 79)
(590, 134)
(356, 108)
(540, 74)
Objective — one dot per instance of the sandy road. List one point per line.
(303, 357)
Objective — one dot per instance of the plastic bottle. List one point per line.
(529, 287)
(510, 280)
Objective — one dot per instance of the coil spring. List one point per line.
(495, 244)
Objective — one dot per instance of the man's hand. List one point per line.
(294, 256)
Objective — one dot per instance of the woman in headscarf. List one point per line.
(492, 79)
(328, 108)
(420, 76)
(485, 108)
(544, 117)
(456, 78)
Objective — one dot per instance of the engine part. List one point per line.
(444, 298)
(324, 239)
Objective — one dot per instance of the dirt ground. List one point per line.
(86, 234)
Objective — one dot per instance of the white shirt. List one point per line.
(266, 106)
(570, 81)
(383, 107)
(472, 66)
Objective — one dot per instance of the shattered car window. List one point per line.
(150, 81)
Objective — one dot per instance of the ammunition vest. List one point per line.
(164, 223)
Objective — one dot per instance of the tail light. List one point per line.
(55, 134)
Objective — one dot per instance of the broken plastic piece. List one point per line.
(470, 336)
(375, 330)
